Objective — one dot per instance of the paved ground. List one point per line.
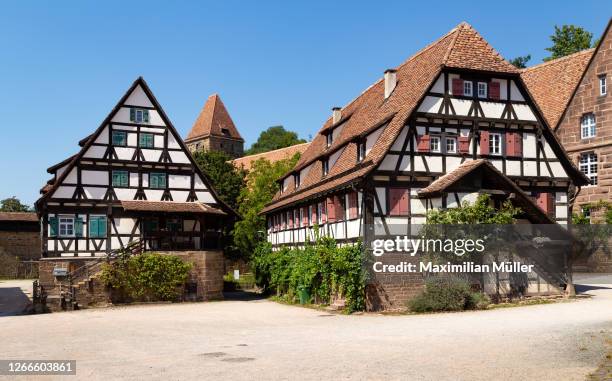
(263, 340)
(15, 296)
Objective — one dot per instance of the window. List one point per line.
(602, 85)
(157, 180)
(97, 227)
(120, 178)
(361, 151)
(495, 144)
(588, 166)
(146, 140)
(66, 226)
(467, 88)
(296, 180)
(174, 225)
(151, 225)
(119, 138)
(482, 90)
(587, 126)
(451, 145)
(330, 138)
(225, 132)
(434, 144)
(325, 167)
(138, 115)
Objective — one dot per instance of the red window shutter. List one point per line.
(464, 144)
(484, 142)
(305, 216)
(353, 199)
(399, 201)
(339, 207)
(331, 209)
(457, 86)
(290, 219)
(510, 146)
(546, 202)
(313, 215)
(494, 90)
(518, 144)
(323, 212)
(283, 222)
(423, 143)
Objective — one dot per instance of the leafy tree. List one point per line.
(521, 61)
(568, 39)
(226, 179)
(12, 204)
(261, 187)
(274, 138)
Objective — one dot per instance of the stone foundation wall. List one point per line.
(207, 272)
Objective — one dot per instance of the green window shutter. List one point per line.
(149, 140)
(162, 180)
(93, 227)
(145, 116)
(102, 227)
(78, 227)
(141, 140)
(152, 180)
(53, 226)
(124, 179)
(120, 179)
(132, 114)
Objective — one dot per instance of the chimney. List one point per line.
(390, 81)
(336, 114)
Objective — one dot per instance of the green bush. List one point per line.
(147, 277)
(321, 267)
(448, 294)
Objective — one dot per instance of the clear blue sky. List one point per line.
(65, 64)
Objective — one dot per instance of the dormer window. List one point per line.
(325, 167)
(330, 138)
(467, 88)
(296, 180)
(225, 132)
(587, 126)
(361, 151)
(482, 90)
(139, 115)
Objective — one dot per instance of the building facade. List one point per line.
(453, 121)
(132, 180)
(214, 130)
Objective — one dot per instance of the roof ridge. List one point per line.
(556, 60)
(267, 152)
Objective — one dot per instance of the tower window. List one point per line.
(602, 85)
(588, 166)
(587, 126)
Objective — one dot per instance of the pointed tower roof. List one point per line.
(471, 51)
(213, 120)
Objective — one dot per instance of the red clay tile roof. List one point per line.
(552, 83)
(445, 181)
(370, 110)
(19, 216)
(213, 119)
(272, 156)
(170, 206)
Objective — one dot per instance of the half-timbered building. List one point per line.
(453, 121)
(132, 180)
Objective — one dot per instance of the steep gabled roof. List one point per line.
(553, 83)
(461, 48)
(246, 162)
(213, 120)
(47, 192)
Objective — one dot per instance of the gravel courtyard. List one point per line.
(264, 340)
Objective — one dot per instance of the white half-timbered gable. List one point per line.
(135, 155)
(452, 122)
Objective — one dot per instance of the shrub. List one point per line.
(323, 268)
(448, 294)
(147, 277)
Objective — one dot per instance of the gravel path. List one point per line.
(238, 340)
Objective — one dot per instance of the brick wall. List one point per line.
(24, 245)
(588, 100)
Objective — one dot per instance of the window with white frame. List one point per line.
(467, 88)
(588, 166)
(602, 85)
(482, 89)
(495, 144)
(66, 226)
(434, 144)
(587, 126)
(451, 145)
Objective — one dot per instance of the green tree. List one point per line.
(261, 187)
(274, 138)
(521, 61)
(12, 204)
(226, 179)
(568, 39)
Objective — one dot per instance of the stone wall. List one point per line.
(207, 272)
(22, 244)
